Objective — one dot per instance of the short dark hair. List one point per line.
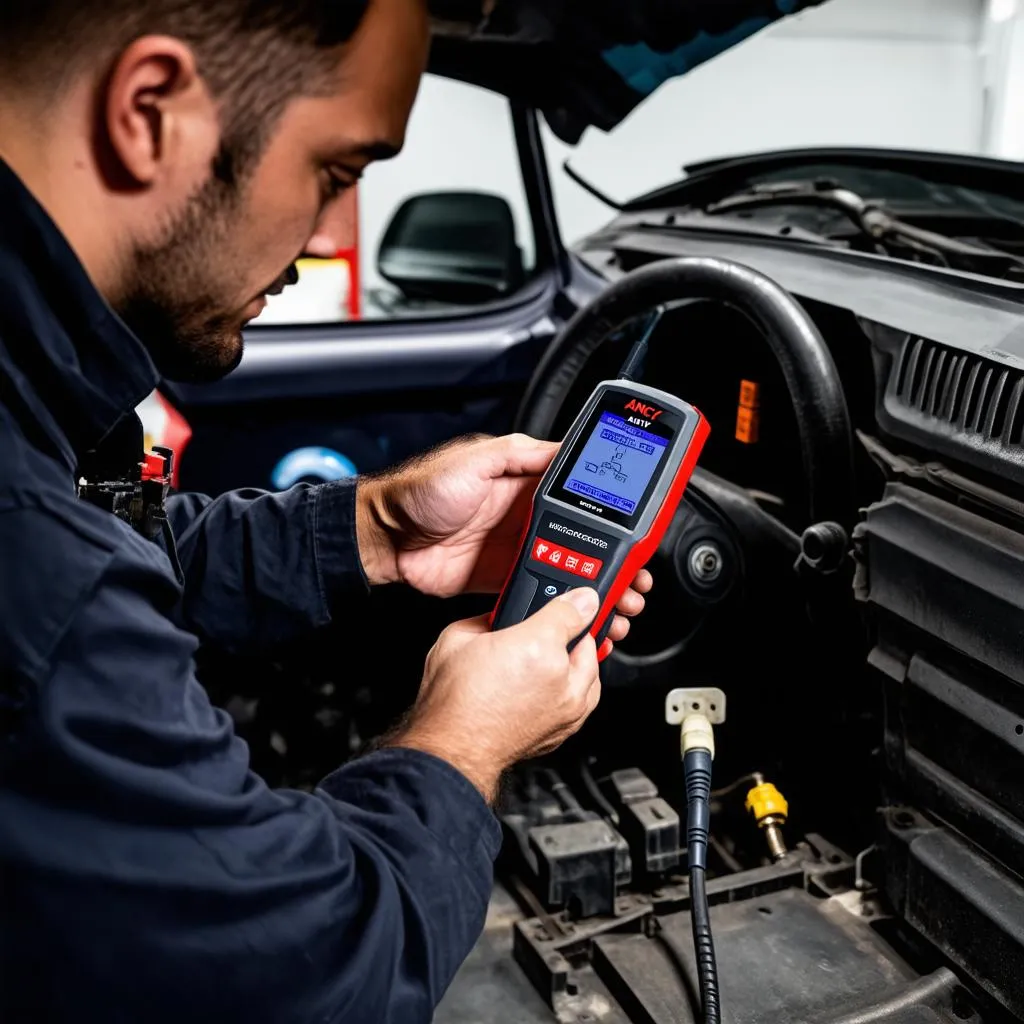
(255, 55)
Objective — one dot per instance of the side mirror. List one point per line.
(452, 247)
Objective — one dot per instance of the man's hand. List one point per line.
(488, 700)
(451, 522)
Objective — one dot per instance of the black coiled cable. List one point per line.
(697, 772)
(704, 947)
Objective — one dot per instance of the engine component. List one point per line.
(770, 810)
(953, 688)
(573, 857)
(647, 822)
(580, 866)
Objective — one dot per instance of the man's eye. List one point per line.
(336, 185)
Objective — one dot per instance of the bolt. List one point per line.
(705, 562)
(776, 844)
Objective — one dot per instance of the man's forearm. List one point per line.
(262, 568)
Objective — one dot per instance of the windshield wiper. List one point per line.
(875, 223)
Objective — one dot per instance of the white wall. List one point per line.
(1002, 49)
(904, 73)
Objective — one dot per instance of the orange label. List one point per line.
(747, 416)
(747, 422)
(750, 394)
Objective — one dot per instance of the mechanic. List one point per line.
(162, 162)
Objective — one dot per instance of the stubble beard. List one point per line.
(175, 297)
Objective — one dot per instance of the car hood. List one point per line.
(589, 63)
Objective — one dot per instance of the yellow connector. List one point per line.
(765, 801)
(770, 810)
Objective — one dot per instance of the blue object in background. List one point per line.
(315, 462)
(645, 70)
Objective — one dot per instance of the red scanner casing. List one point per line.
(583, 529)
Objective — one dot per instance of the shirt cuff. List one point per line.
(446, 803)
(339, 567)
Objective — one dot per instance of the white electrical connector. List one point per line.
(696, 709)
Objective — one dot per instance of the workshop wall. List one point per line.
(906, 73)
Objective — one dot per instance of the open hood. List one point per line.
(588, 63)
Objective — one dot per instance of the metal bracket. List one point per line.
(707, 701)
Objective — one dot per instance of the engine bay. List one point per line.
(867, 819)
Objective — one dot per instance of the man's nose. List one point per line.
(337, 228)
(322, 245)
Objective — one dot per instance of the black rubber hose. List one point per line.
(822, 416)
(697, 772)
(704, 948)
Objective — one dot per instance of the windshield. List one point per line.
(922, 75)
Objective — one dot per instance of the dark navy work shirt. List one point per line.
(146, 874)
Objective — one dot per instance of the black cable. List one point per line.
(704, 947)
(697, 772)
(591, 786)
(563, 794)
(633, 367)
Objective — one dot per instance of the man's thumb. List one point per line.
(575, 611)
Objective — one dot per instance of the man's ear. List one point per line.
(154, 97)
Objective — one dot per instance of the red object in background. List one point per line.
(177, 435)
(164, 427)
(342, 225)
(152, 466)
(351, 253)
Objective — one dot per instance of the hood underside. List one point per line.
(589, 63)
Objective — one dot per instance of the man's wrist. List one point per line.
(374, 533)
(485, 778)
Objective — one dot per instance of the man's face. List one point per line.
(193, 285)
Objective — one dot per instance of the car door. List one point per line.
(445, 351)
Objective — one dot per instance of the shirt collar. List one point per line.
(70, 368)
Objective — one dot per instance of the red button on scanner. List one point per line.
(565, 558)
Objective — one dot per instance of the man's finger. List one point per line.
(583, 667)
(619, 629)
(522, 455)
(631, 603)
(568, 615)
(643, 582)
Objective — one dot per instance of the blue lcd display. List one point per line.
(616, 464)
